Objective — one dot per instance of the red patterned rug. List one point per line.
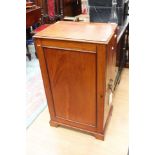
(35, 95)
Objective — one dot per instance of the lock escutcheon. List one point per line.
(110, 85)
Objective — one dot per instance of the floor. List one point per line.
(35, 95)
(42, 139)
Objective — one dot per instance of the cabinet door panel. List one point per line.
(72, 77)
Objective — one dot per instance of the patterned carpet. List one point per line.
(35, 95)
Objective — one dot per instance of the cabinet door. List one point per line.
(72, 76)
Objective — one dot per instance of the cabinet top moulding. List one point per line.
(100, 33)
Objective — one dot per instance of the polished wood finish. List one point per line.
(99, 33)
(77, 66)
(32, 16)
(62, 69)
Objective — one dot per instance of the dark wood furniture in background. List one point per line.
(123, 42)
(67, 8)
(77, 61)
(42, 4)
(33, 15)
(122, 57)
(127, 46)
(62, 7)
(72, 7)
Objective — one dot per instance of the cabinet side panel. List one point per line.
(107, 105)
(110, 75)
(72, 77)
(101, 69)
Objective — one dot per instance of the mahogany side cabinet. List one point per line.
(77, 61)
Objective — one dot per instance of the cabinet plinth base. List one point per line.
(99, 136)
(54, 124)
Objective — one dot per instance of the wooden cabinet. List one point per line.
(77, 62)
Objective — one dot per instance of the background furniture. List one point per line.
(67, 8)
(122, 57)
(33, 15)
(47, 9)
(77, 61)
(59, 9)
(34, 23)
(100, 11)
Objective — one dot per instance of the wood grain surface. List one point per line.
(73, 81)
(78, 73)
(79, 31)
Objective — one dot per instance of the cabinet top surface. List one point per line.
(79, 31)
